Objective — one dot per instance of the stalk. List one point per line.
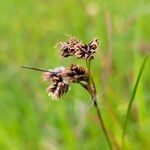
(93, 93)
(102, 122)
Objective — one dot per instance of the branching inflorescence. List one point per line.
(61, 77)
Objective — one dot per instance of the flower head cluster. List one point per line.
(77, 73)
(62, 78)
(75, 47)
(59, 87)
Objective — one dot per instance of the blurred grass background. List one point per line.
(29, 30)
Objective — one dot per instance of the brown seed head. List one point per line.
(94, 44)
(77, 73)
(78, 49)
(54, 75)
(69, 48)
(87, 51)
(57, 90)
(65, 50)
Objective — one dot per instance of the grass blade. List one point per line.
(132, 98)
(37, 69)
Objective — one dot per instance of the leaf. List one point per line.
(132, 98)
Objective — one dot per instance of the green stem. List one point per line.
(102, 123)
(94, 98)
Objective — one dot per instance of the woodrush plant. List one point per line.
(61, 78)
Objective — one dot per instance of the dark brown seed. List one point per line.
(77, 73)
(57, 90)
(94, 44)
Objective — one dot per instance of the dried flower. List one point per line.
(87, 51)
(94, 44)
(65, 50)
(57, 90)
(77, 73)
(59, 87)
(78, 49)
(54, 75)
(62, 77)
(68, 48)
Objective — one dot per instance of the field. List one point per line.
(29, 32)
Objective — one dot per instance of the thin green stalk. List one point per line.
(94, 98)
(102, 123)
(132, 99)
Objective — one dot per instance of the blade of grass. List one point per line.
(37, 69)
(132, 99)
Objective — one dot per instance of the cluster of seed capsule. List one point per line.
(77, 48)
(62, 77)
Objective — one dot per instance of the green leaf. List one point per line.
(132, 98)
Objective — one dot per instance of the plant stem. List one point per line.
(102, 123)
(93, 93)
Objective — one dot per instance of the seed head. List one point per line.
(65, 50)
(68, 48)
(54, 75)
(77, 73)
(87, 51)
(78, 49)
(57, 90)
(61, 76)
(94, 44)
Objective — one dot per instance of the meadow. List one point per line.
(29, 32)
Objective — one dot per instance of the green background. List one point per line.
(29, 31)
